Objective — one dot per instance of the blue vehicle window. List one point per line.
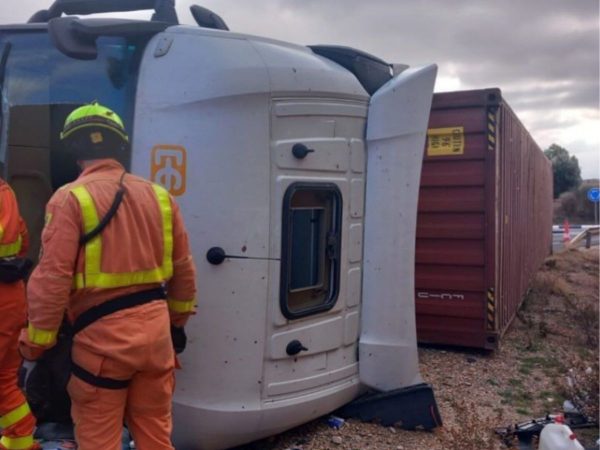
(37, 74)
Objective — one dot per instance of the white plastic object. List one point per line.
(569, 407)
(558, 436)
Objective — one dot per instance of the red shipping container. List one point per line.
(484, 222)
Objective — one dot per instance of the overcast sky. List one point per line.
(543, 54)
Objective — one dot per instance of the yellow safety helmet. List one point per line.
(94, 131)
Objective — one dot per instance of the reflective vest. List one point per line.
(92, 276)
(10, 233)
(10, 248)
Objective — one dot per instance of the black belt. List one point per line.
(104, 309)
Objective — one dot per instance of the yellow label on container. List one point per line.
(445, 141)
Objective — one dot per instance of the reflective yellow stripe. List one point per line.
(12, 417)
(41, 337)
(10, 249)
(20, 443)
(181, 306)
(93, 275)
(93, 249)
(110, 280)
(166, 213)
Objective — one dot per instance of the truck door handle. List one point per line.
(300, 151)
(295, 347)
(216, 255)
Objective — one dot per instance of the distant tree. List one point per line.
(567, 174)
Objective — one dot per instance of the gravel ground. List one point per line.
(555, 330)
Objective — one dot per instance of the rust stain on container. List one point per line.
(485, 219)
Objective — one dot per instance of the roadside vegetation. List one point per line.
(565, 169)
(570, 191)
(575, 206)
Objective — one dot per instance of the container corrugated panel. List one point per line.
(485, 219)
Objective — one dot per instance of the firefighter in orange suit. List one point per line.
(122, 288)
(16, 421)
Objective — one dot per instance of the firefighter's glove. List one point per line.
(29, 351)
(178, 338)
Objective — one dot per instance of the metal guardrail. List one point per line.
(585, 234)
(561, 228)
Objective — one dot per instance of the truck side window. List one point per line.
(310, 250)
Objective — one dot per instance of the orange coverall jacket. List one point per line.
(12, 225)
(132, 241)
(16, 421)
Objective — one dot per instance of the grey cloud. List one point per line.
(584, 96)
(548, 120)
(486, 43)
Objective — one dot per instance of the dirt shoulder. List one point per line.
(554, 339)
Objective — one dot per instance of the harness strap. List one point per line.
(95, 380)
(116, 304)
(106, 219)
(85, 238)
(104, 309)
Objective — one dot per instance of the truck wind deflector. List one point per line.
(370, 71)
(164, 10)
(76, 38)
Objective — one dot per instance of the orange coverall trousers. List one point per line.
(13, 315)
(132, 344)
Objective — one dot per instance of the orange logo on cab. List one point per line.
(169, 168)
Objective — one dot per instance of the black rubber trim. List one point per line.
(117, 304)
(207, 19)
(94, 380)
(369, 70)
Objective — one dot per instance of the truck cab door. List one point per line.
(317, 212)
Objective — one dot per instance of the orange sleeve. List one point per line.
(49, 286)
(9, 216)
(181, 288)
(8, 203)
(5, 202)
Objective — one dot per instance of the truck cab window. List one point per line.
(41, 86)
(49, 85)
(311, 236)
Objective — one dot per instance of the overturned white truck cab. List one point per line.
(297, 170)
